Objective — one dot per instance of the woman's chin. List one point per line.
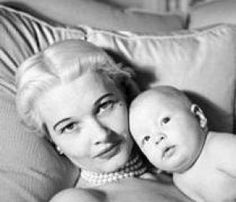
(116, 162)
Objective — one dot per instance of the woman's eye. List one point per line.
(108, 105)
(165, 120)
(69, 128)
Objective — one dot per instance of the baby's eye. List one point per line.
(69, 128)
(145, 139)
(165, 120)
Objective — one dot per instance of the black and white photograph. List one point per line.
(117, 100)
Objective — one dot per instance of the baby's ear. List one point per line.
(197, 111)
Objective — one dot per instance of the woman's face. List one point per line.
(88, 119)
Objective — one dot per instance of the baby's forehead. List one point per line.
(150, 97)
(145, 107)
(155, 101)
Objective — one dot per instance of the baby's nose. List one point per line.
(160, 137)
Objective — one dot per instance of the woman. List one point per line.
(78, 97)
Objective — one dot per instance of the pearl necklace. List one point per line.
(133, 168)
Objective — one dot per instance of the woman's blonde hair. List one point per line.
(60, 63)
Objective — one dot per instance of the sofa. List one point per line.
(195, 52)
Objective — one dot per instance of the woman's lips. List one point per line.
(168, 152)
(109, 151)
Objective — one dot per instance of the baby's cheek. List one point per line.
(148, 150)
(140, 145)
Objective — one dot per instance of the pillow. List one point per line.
(102, 15)
(213, 13)
(200, 62)
(30, 169)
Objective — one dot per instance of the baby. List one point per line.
(172, 132)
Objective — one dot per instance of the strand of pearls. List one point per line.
(133, 168)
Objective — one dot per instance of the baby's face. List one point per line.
(167, 132)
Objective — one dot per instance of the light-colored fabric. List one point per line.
(200, 62)
(30, 169)
(214, 12)
(103, 15)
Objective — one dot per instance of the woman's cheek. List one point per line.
(78, 149)
(122, 120)
(71, 143)
(117, 120)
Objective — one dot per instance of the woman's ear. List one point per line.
(197, 111)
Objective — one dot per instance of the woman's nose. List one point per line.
(99, 132)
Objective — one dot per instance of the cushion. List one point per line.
(103, 15)
(213, 13)
(30, 169)
(200, 62)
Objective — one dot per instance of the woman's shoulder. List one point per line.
(76, 195)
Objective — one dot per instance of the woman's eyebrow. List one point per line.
(59, 122)
(102, 97)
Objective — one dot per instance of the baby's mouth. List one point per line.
(168, 152)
